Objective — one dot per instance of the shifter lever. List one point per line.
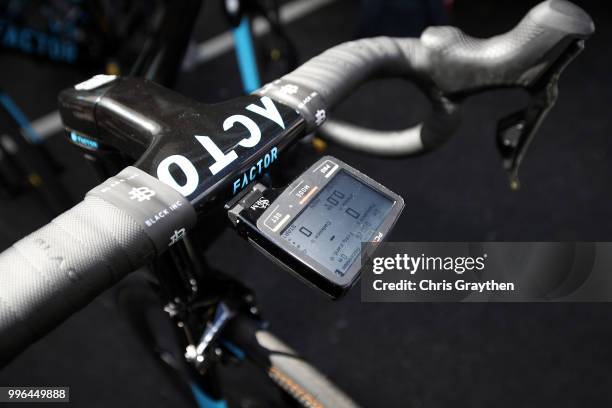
(516, 131)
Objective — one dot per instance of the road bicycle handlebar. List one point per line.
(445, 63)
(133, 217)
(57, 270)
(321, 83)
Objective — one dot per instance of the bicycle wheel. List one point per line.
(297, 378)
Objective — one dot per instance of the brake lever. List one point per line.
(516, 131)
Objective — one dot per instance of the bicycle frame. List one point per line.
(184, 279)
(27, 162)
(119, 227)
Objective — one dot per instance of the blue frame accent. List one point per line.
(203, 400)
(235, 350)
(83, 141)
(21, 119)
(245, 54)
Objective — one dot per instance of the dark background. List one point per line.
(383, 354)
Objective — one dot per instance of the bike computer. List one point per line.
(315, 226)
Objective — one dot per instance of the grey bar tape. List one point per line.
(308, 103)
(157, 207)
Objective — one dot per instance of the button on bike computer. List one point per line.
(315, 226)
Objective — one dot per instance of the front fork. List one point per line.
(200, 302)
